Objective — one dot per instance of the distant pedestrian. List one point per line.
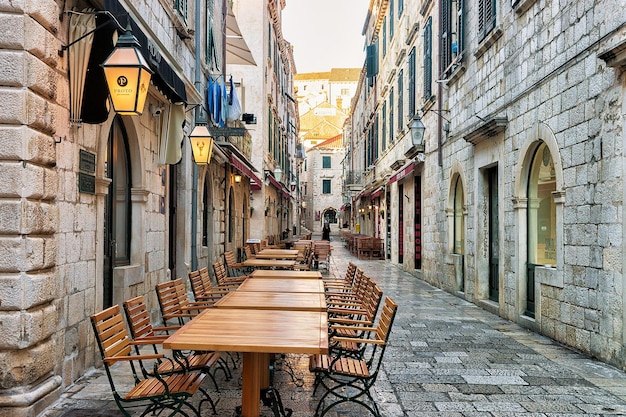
(326, 232)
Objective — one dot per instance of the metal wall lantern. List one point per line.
(201, 144)
(278, 173)
(417, 131)
(127, 75)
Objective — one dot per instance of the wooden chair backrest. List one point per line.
(248, 251)
(372, 302)
(387, 316)
(138, 318)
(169, 296)
(111, 334)
(220, 272)
(197, 284)
(350, 273)
(229, 258)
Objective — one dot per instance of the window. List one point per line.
(326, 161)
(391, 19)
(391, 131)
(384, 127)
(400, 8)
(428, 61)
(486, 17)
(118, 216)
(452, 27)
(542, 209)
(459, 221)
(211, 55)
(181, 8)
(401, 100)
(326, 189)
(385, 37)
(412, 82)
(345, 91)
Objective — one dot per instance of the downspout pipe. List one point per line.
(440, 92)
(194, 185)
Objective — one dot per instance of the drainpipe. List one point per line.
(194, 185)
(439, 93)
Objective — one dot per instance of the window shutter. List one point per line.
(371, 61)
(486, 17)
(446, 34)
(428, 66)
(412, 82)
(400, 98)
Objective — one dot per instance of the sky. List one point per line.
(325, 34)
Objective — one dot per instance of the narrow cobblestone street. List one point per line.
(447, 357)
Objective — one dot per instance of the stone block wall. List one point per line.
(545, 69)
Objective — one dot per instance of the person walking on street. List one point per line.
(326, 232)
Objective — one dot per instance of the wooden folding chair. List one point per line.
(157, 394)
(221, 275)
(234, 268)
(202, 288)
(174, 303)
(349, 379)
(143, 333)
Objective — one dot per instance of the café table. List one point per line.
(285, 273)
(257, 334)
(270, 300)
(269, 263)
(277, 254)
(282, 285)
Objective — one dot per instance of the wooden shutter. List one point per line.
(428, 65)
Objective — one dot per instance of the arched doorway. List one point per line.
(117, 210)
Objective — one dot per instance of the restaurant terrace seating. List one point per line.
(322, 250)
(174, 303)
(163, 395)
(221, 275)
(346, 378)
(143, 333)
(202, 287)
(233, 267)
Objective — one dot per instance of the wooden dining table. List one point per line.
(277, 254)
(285, 273)
(257, 333)
(288, 285)
(271, 300)
(269, 263)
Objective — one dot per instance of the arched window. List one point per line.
(118, 216)
(542, 209)
(459, 221)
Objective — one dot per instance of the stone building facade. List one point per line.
(322, 182)
(99, 207)
(514, 197)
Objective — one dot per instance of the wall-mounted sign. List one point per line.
(87, 161)
(227, 131)
(86, 183)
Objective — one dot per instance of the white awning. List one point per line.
(237, 51)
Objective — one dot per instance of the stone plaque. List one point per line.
(86, 183)
(87, 161)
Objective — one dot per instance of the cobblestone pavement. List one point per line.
(447, 357)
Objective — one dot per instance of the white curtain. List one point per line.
(171, 134)
(78, 56)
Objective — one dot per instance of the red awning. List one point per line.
(255, 182)
(402, 172)
(377, 193)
